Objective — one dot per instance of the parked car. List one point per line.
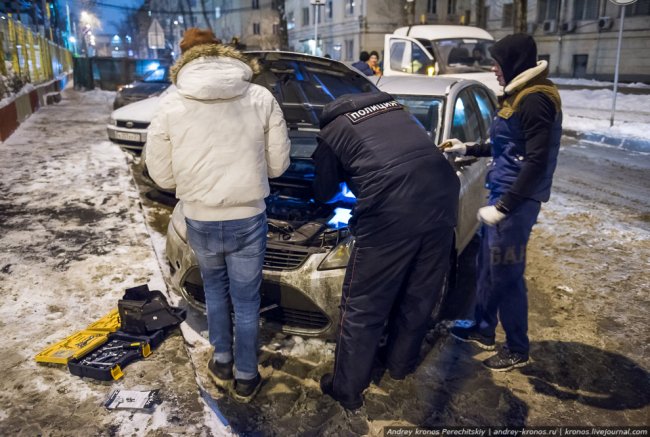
(441, 50)
(128, 125)
(308, 242)
(153, 83)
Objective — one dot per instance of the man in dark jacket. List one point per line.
(362, 64)
(525, 141)
(407, 200)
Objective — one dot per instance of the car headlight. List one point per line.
(112, 121)
(339, 256)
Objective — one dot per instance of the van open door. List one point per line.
(406, 56)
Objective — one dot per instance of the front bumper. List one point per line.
(302, 301)
(133, 139)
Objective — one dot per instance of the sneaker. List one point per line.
(505, 360)
(221, 373)
(327, 387)
(473, 335)
(246, 389)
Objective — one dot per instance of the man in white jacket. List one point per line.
(216, 140)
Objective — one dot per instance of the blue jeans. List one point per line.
(230, 255)
(501, 288)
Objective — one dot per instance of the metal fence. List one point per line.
(31, 54)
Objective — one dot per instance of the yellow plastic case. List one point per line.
(109, 323)
(74, 346)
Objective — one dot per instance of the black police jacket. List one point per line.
(403, 184)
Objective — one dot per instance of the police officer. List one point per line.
(525, 141)
(407, 199)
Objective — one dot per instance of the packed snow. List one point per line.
(75, 236)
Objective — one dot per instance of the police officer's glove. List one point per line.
(490, 215)
(453, 145)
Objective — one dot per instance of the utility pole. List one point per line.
(317, 4)
(622, 4)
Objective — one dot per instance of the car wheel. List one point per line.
(447, 288)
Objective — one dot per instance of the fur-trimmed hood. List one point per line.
(213, 71)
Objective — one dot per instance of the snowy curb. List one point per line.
(632, 144)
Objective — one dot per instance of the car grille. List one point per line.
(280, 258)
(300, 318)
(287, 305)
(135, 124)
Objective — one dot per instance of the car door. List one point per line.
(407, 56)
(468, 124)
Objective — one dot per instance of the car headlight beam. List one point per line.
(112, 121)
(339, 256)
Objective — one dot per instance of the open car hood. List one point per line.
(304, 84)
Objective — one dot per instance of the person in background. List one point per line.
(373, 62)
(217, 139)
(403, 234)
(362, 64)
(525, 141)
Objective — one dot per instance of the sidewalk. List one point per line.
(587, 114)
(73, 238)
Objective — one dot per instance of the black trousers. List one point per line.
(401, 280)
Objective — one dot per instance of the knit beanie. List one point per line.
(195, 36)
(514, 54)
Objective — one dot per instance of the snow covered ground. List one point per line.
(74, 235)
(73, 238)
(588, 111)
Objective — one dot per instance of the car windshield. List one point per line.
(426, 109)
(304, 88)
(464, 55)
(159, 75)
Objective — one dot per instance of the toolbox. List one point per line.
(75, 346)
(106, 362)
(109, 323)
(80, 343)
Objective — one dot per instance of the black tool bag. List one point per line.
(144, 311)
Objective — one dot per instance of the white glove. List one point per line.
(454, 145)
(490, 215)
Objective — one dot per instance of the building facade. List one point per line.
(341, 28)
(577, 37)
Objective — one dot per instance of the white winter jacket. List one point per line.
(217, 138)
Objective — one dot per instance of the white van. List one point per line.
(441, 50)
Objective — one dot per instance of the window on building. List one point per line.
(508, 16)
(432, 6)
(349, 49)
(451, 7)
(349, 7)
(305, 16)
(276, 29)
(329, 9)
(256, 29)
(585, 10)
(548, 10)
(640, 7)
(291, 21)
(256, 4)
